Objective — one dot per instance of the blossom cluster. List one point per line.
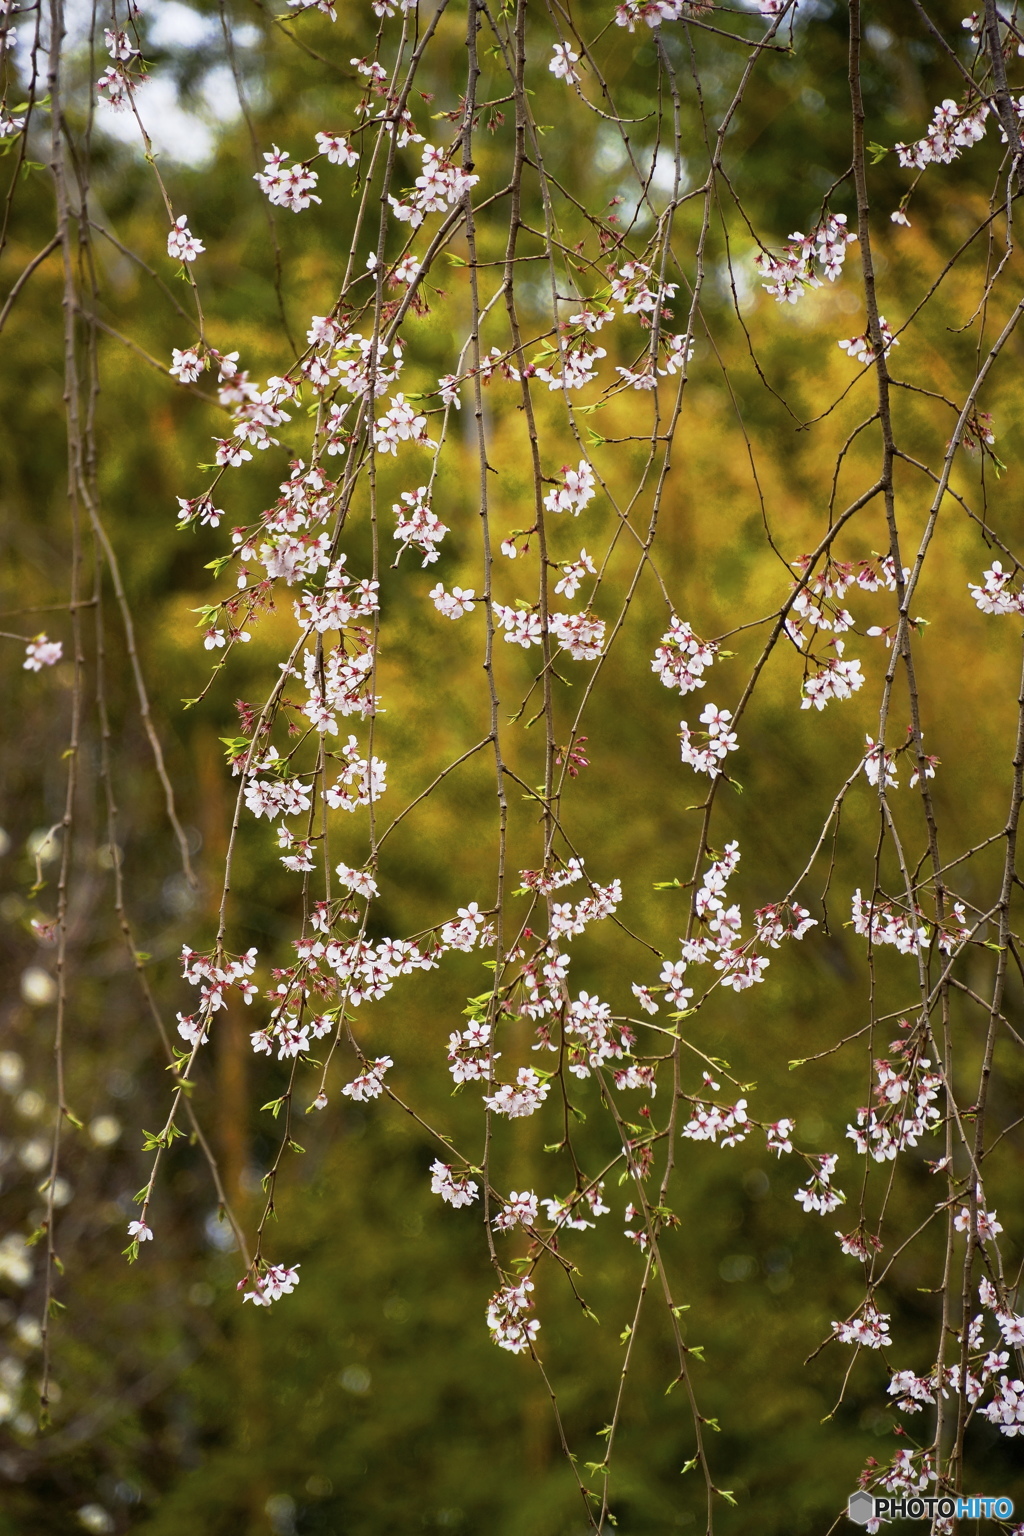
(510, 1326)
(791, 274)
(997, 594)
(681, 658)
(718, 737)
(819, 1193)
(953, 129)
(904, 1110)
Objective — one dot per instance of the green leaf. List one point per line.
(877, 152)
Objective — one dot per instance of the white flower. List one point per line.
(42, 652)
(182, 243)
(456, 1190)
(561, 64)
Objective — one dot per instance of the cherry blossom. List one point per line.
(1006, 1409)
(276, 1281)
(452, 604)
(861, 348)
(561, 64)
(470, 1054)
(1012, 1329)
(720, 741)
(346, 404)
(709, 1121)
(276, 797)
(790, 275)
(905, 1109)
(418, 527)
(358, 880)
(835, 679)
(869, 1328)
(370, 1084)
(119, 45)
(399, 424)
(286, 186)
(522, 1098)
(779, 1135)
(42, 652)
(521, 626)
(997, 595)
(644, 998)
(362, 781)
(578, 633)
(818, 1194)
(115, 88)
(988, 1227)
(952, 129)
(182, 243)
(681, 659)
(653, 12)
(187, 365)
(520, 1210)
(440, 186)
(573, 575)
(337, 149)
(566, 1213)
(575, 492)
(231, 453)
(456, 1190)
(883, 923)
(509, 1326)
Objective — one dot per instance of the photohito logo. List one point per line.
(862, 1507)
